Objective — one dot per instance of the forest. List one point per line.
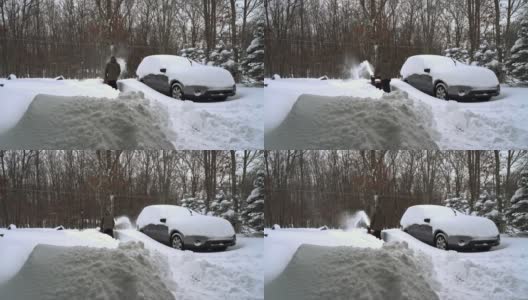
(315, 188)
(75, 38)
(72, 188)
(312, 38)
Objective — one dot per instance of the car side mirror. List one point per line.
(427, 220)
(427, 70)
(163, 70)
(163, 220)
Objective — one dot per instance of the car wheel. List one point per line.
(441, 91)
(441, 241)
(176, 242)
(176, 91)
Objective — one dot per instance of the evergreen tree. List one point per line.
(222, 207)
(487, 57)
(253, 65)
(459, 203)
(517, 214)
(487, 206)
(193, 203)
(518, 63)
(254, 212)
(196, 54)
(459, 54)
(222, 57)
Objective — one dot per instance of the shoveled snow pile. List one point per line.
(317, 272)
(392, 122)
(75, 122)
(281, 244)
(56, 272)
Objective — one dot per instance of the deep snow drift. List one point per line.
(319, 272)
(500, 122)
(75, 122)
(58, 272)
(146, 118)
(391, 122)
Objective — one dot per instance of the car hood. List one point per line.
(201, 225)
(464, 75)
(465, 225)
(200, 75)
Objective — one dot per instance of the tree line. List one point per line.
(312, 38)
(41, 188)
(307, 188)
(75, 38)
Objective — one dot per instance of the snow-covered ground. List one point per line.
(450, 124)
(132, 267)
(92, 115)
(501, 273)
(402, 267)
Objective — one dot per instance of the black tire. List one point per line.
(176, 91)
(440, 241)
(176, 241)
(440, 91)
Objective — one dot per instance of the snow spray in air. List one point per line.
(123, 222)
(363, 70)
(358, 219)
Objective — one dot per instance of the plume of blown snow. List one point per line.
(363, 70)
(123, 222)
(358, 219)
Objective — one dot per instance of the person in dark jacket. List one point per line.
(107, 224)
(112, 72)
(375, 221)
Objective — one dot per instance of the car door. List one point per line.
(425, 232)
(161, 83)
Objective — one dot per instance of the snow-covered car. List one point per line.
(446, 228)
(183, 78)
(446, 78)
(183, 228)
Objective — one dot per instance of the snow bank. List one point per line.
(392, 122)
(76, 122)
(17, 245)
(317, 272)
(55, 272)
(281, 244)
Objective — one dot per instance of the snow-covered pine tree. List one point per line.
(222, 57)
(458, 203)
(517, 214)
(254, 213)
(196, 54)
(222, 207)
(487, 57)
(517, 65)
(193, 203)
(459, 54)
(487, 206)
(253, 64)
